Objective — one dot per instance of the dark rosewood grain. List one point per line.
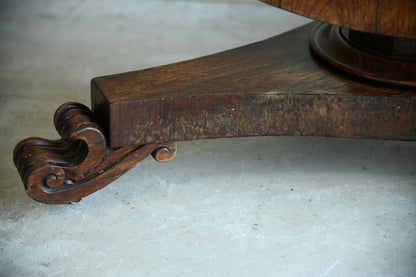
(273, 87)
(384, 17)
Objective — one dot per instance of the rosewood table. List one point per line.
(354, 76)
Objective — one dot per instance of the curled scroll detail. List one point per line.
(81, 162)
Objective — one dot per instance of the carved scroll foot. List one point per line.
(68, 169)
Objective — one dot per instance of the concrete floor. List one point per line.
(267, 206)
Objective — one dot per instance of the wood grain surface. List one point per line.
(273, 87)
(385, 17)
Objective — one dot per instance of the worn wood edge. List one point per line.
(226, 116)
(81, 162)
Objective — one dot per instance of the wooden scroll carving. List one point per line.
(68, 169)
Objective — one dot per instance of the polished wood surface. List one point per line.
(384, 17)
(380, 58)
(274, 87)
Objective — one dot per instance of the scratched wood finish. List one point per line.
(273, 87)
(385, 17)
